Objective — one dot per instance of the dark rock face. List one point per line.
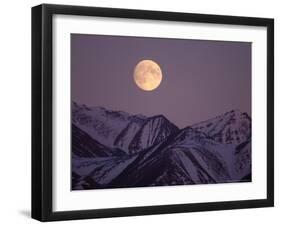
(113, 149)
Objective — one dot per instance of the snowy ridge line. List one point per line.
(113, 149)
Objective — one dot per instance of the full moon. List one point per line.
(147, 75)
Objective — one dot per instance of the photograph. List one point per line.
(148, 111)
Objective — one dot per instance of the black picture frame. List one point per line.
(42, 107)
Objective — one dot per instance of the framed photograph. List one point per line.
(146, 112)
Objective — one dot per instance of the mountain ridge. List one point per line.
(152, 151)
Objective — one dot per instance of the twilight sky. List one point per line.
(201, 79)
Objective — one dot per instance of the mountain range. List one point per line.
(114, 149)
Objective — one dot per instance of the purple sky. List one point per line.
(201, 79)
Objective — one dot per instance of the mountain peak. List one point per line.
(135, 132)
(159, 117)
(154, 129)
(231, 127)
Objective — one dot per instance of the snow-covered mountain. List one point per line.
(89, 173)
(84, 146)
(126, 136)
(101, 124)
(117, 129)
(233, 127)
(187, 157)
(151, 151)
(242, 164)
(137, 137)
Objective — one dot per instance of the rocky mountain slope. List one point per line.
(113, 149)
